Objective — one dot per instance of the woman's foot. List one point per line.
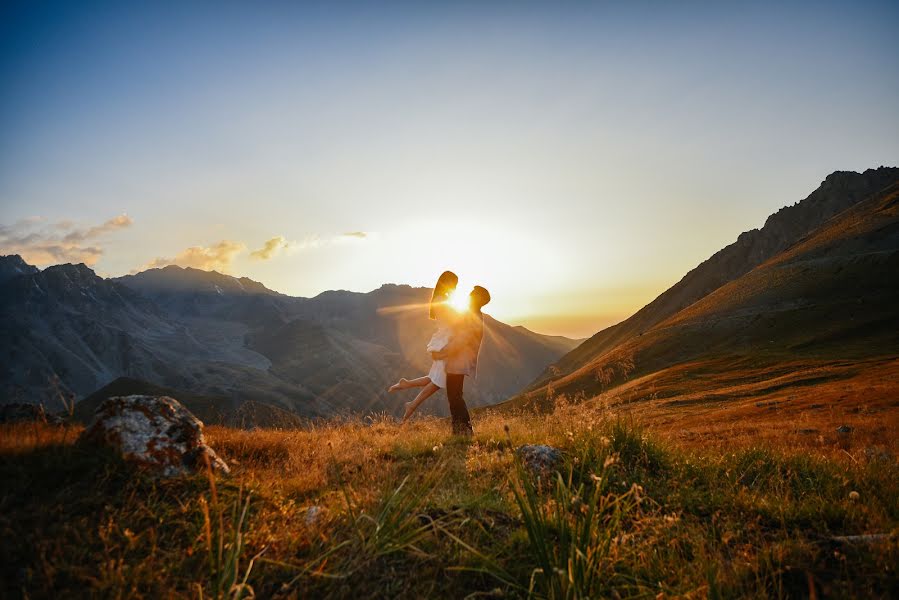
(409, 410)
(399, 385)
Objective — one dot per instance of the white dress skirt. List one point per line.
(438, 342)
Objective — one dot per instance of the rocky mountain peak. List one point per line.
(838, 191)
(173, 278)
(68, 277)
(78, 271)
(13, 266)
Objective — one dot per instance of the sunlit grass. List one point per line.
(365, 508)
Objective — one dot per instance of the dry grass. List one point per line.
(799, 405)
(410, 512)
(738, 402)
(20, 438)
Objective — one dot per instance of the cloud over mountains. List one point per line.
(271, 248)
(217, 257)
(44, 243)
(279, 244)
(220, 256)
(41, 243)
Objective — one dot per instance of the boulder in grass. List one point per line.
(155, 432)
(540, 459)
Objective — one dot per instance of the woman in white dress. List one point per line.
(445, 316)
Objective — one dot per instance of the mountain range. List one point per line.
(222, 342)
(811, 297)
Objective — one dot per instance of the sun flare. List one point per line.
(458, 300)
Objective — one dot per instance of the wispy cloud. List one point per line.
(271, 248)
(346, 237)
(79, 235)
(220, 256)
(42, 244)
(281, 245)
(217, 257)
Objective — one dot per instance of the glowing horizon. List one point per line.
(575, 159)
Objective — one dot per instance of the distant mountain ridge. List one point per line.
(690, 320)
(173, 278)
(67, 331)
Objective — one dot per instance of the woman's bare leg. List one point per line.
(404, 383)
(429, 390)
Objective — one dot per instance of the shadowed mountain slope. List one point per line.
(209, 409)
(68, 332)
(342, 349)
(64, 330)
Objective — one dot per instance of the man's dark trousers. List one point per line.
(458, 410)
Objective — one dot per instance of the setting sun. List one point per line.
(458, 300)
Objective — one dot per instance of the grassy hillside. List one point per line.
(839, 192)
(828, 298)
(370, 509)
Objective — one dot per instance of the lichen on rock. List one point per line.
(154, 432)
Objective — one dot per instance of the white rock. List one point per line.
(155, 432)
(540, 459)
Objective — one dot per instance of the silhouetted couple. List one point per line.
(454, 348)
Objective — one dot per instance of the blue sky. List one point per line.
(575, 158)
